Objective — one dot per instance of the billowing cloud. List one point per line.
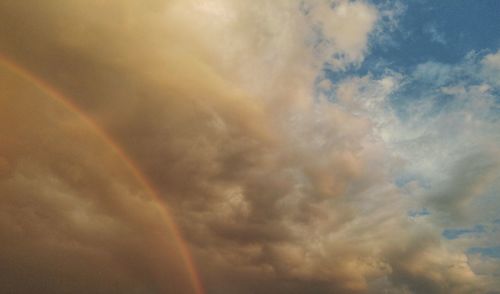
(277, 189)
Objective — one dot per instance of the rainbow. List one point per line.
(129, 163)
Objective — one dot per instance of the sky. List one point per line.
(241, 147)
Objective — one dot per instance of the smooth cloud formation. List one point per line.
(73, 218)
(282, 180)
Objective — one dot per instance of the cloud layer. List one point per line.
(282, 180)
(74, 219)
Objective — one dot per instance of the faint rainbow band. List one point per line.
(136, 172)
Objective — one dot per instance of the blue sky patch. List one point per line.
(452, 234)
(493, 252)
(441, 31)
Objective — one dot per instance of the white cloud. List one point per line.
(344, 27)
(491, 68)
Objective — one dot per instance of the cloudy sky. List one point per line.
(249, 147)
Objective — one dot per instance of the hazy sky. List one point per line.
(249, 147)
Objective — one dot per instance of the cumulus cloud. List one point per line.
(276, 190)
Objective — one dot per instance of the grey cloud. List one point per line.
(471, 177)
